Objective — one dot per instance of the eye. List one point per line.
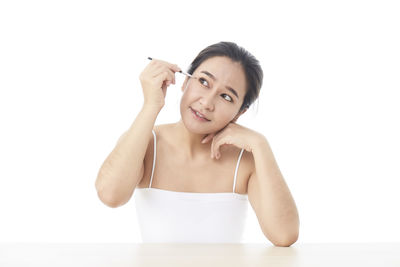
(201, 80)
(229, 98)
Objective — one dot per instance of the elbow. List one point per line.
(286, 241)
(112, 195)
(103, 194)
(288, 236)
(108, 200)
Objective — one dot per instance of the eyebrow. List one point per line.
(227, 87)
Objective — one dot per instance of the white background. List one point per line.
(329, 107)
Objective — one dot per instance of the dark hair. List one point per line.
(251, 66)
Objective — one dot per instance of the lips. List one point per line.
(199, 113)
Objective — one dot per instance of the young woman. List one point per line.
(192, 179)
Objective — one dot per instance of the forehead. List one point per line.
(227, 73)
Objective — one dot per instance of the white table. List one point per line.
(139, 254)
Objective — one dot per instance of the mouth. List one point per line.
(198, 115)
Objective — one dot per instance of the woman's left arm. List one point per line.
(271, 199)
(268, 193)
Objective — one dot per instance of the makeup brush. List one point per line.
(184, 73)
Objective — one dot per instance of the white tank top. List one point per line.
(188, 217)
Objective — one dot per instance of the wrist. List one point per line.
(152, 107)
(259, 143)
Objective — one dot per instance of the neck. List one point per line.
(191, 142)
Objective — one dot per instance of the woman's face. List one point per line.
(217, 92)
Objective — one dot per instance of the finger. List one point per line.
(171, 76)
(219, 141)
(212, 150)
(176, 68)
(166, 75)
(159, 69)
(214, 145)
(173, 67)
(217, 146)
(216, 150)
(164, 89)
(208, 138)
(162, 79)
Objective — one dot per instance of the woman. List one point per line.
(186, 177)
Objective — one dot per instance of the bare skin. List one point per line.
(202, 174)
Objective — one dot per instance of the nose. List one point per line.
(207, 101)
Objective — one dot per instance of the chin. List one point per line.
(195, 128)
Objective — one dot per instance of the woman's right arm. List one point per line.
(123, 169)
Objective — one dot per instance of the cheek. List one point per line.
(189, 94)
(225, 115)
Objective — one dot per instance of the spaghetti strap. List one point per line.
(237, 165)
(154, 158)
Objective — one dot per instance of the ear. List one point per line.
(239, 114)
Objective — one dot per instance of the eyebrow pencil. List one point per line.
(185, 73)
